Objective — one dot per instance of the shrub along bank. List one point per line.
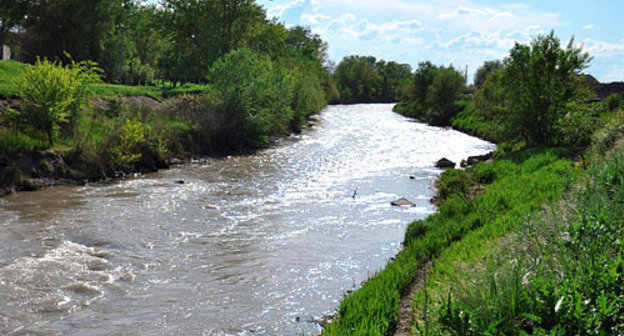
(62, 129)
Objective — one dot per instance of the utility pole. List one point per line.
(466, 75)
(121, 42)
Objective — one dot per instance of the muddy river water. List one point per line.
(251, 245)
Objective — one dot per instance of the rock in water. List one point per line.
(403, 202)
(445, 163)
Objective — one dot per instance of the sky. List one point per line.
(459, 32)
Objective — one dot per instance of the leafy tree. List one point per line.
(394, 77)
(540, 81)
(256, 95)
(614, 102)
(52, 93)
(12, 13)
(415, 93)
(446, 88)
(357, 79)
(204, 30)
(485, 70)
(77, 27)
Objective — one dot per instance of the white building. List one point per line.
(6, 52)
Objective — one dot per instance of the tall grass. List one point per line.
(519, 184)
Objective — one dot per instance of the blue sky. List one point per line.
(461, 32)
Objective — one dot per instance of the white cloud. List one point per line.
(313, 19)
(279, 10)
(588, 27)
(603, 49)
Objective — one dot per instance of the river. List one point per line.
(250, 245)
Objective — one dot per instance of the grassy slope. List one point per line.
(10, 71)
(519, 184)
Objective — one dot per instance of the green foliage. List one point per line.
(432, 94)
(204, 31)
(614, 102)
(520, 184)
(566, 276)
(53, 93)
(446, 88)
(132, 137)
(361, 79)
(453, 182)
(259, 96)
(485, 70)
(14, 142)
(473, 121)
(606, 137)
(540, 81)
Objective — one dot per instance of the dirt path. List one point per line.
(406, 313)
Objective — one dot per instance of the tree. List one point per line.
(77, 27)
(446, 88)
(357, 79)
(256, 94)
(485, 70)
(540, 80)
(394, 78)
(52, 93)
(12, 13)
(205, 30)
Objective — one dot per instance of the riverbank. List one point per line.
(481, 209)
(67, 126)
(177, 142)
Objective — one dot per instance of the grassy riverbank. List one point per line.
(528, 244)
(66, 125)
(479, 204)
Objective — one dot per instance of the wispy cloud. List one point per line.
(450, 31)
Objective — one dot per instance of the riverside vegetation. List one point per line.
(530, 243)
(74, 113)
(138, 85)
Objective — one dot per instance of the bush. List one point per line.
(53, 93)
(133, 137)
(604, 139)
(453, 182)
(261, 98)
(614, 102)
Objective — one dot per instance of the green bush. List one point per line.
(604, 138)
(453, 182)
(614, 102)
(133, 137)
(53, 93)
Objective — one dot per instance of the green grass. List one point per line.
(559, 273)
(471, 122)
(11, 70)
(157, 92)
(520, 183)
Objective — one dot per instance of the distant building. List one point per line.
(6, 52)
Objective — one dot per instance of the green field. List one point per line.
(11, 70)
